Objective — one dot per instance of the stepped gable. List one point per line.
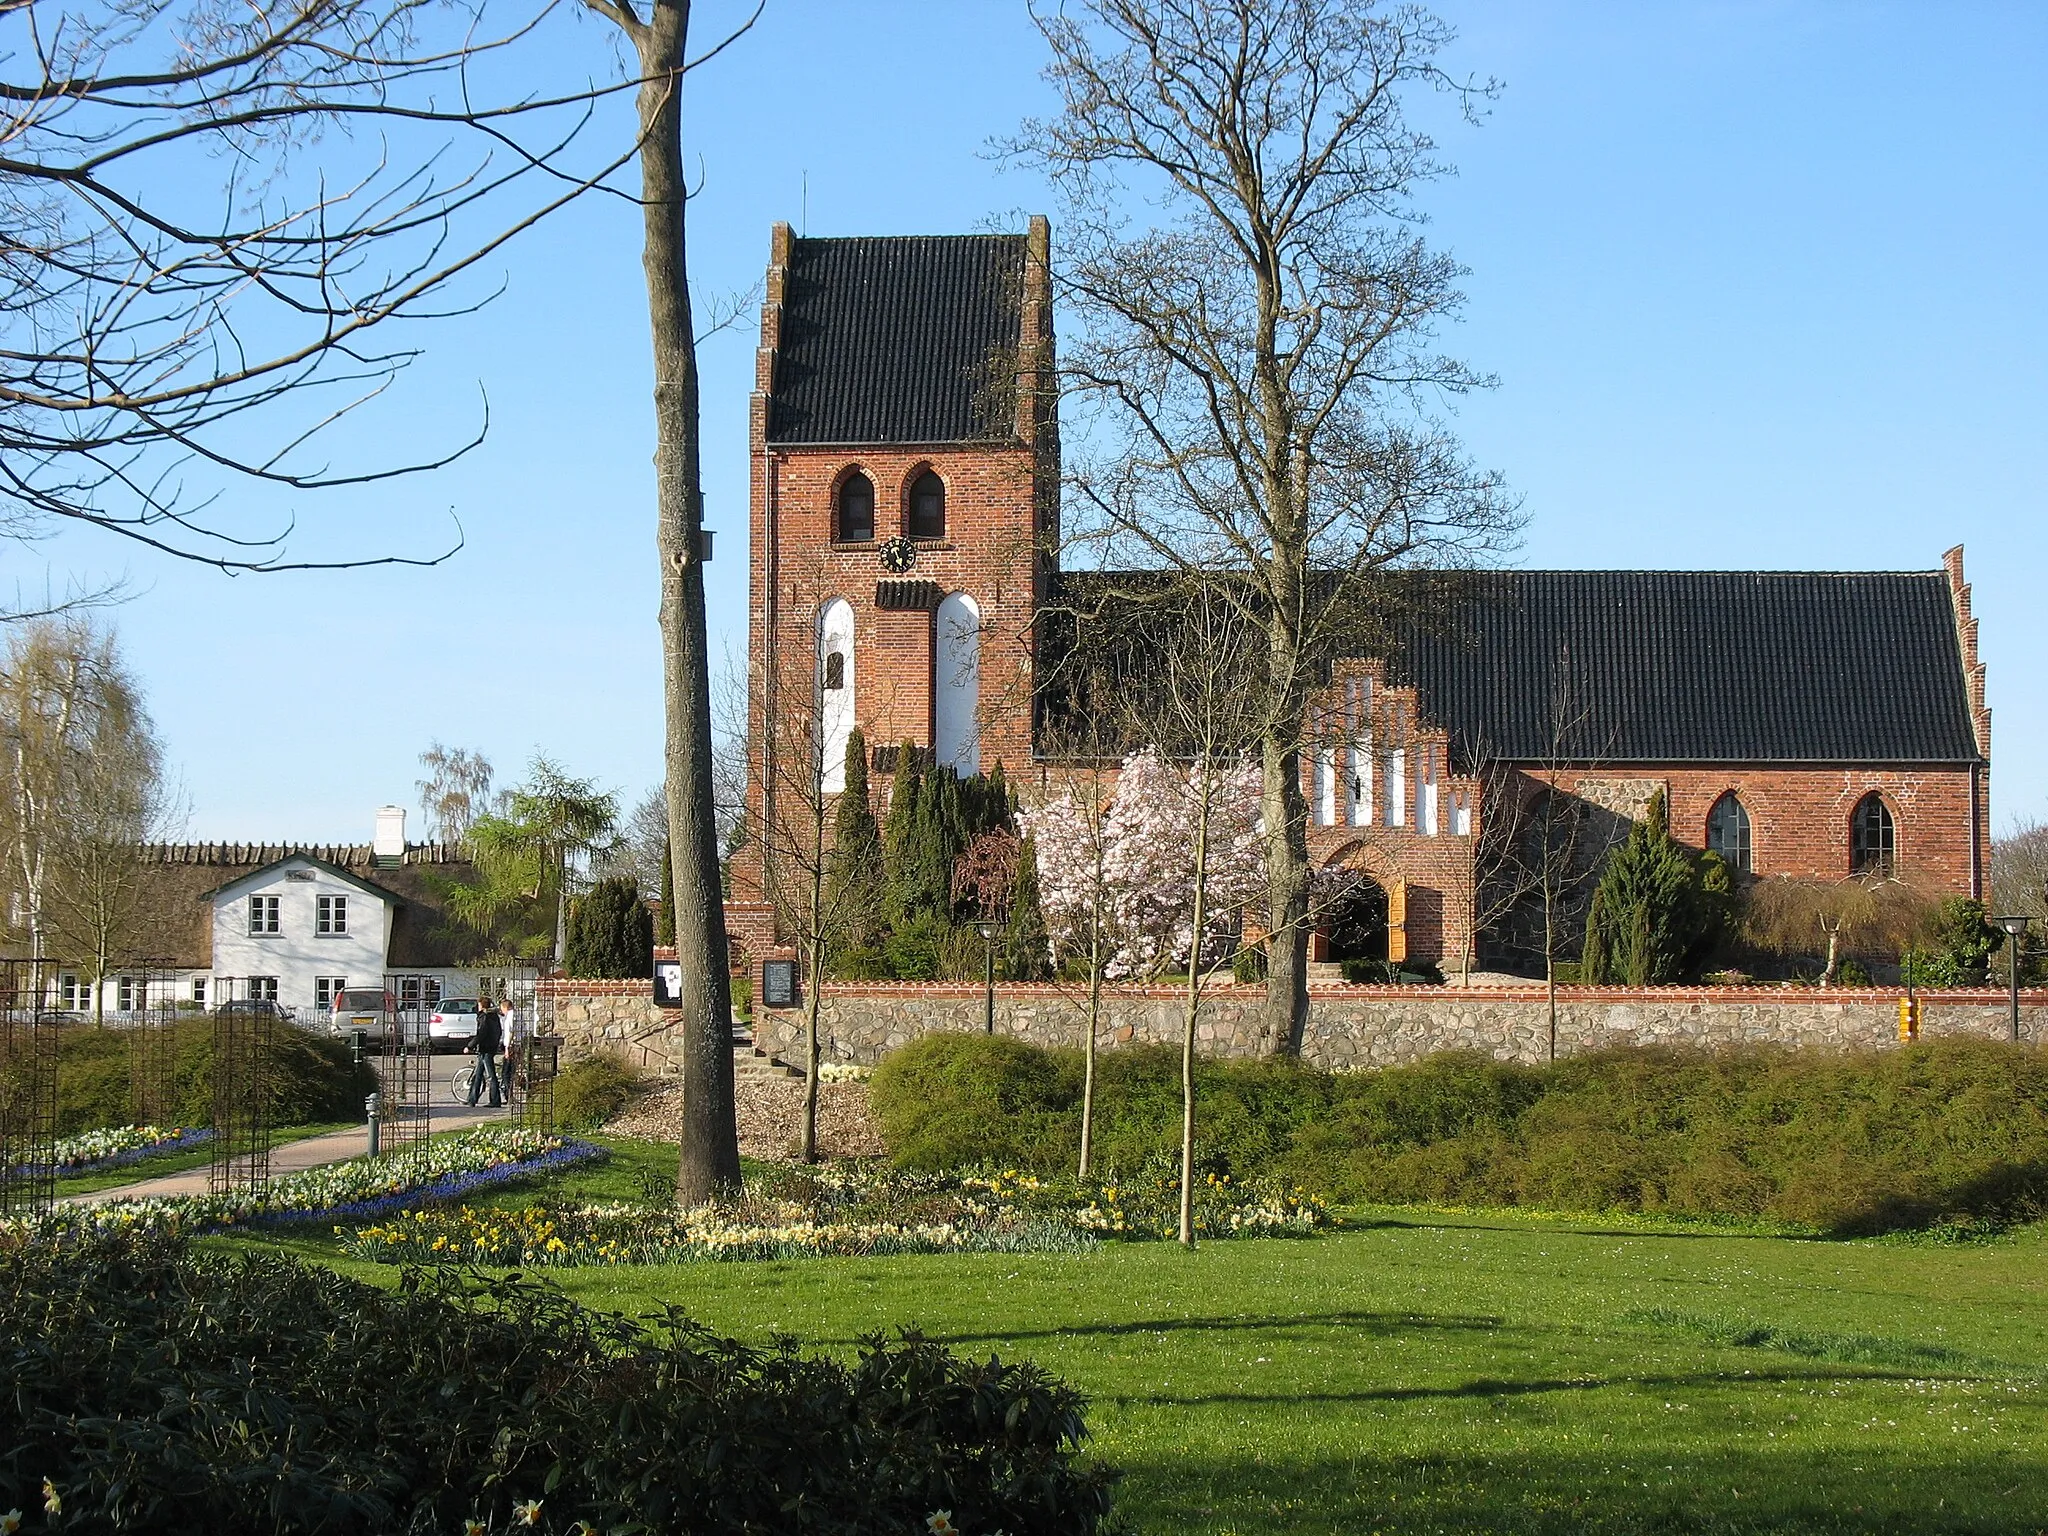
(1651, 667)
(898, 339)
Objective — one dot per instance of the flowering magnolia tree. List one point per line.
(1132, 866)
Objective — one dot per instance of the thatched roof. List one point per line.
(179, 880)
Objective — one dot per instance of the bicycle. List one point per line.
(465, 1078)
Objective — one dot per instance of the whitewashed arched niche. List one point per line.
(835, 691)
(956, 708)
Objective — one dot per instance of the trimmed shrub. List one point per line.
(1952, 1132)
(162, 1389)
(312, 1079)
(954, 1100)
(950, 1101)
(591, 1089)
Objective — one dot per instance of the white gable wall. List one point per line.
(296, 954)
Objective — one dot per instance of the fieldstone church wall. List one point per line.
(1383, 1026)
(1348, 1027)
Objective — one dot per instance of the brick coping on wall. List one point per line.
(2029, 997)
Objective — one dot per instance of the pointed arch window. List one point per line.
(835, 692)
(853, 519)
(927, 507)
(1873, 837)
(956, 712)
(1728, 832)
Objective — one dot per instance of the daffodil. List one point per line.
(527, 1513)
(940, 1523)
(53, 1503)
(10, 1522)
(474, 1527)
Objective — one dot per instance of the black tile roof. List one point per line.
(1682, 666)
(902, 339)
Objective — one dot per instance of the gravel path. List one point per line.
(770, 1119)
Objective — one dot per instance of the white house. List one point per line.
(295, 923)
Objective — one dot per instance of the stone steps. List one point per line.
(750, 1064)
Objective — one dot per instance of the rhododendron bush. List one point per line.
(1136, 858)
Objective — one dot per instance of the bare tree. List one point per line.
(1203, 709)
(659, 31)
(119, 802)
(455, 792)
(1263, 364)
(814, 904)
(207, 263)
(2019, 870)
(1070, 826)
(65, 696)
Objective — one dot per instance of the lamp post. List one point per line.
(988, 932)
(2015, 926)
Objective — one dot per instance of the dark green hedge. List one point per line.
(313, 1078)
(1945, 1132)
(164, 1390)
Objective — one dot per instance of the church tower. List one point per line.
(905, 466)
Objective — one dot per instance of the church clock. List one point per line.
(897, 555)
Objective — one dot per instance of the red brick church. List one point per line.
(905, 528)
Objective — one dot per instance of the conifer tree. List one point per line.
(611, 933)
(665, 918)
(1650, 911)
(900, 840)
(1026, 947)
(855, 878)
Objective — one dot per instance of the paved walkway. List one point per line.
(310, 1151)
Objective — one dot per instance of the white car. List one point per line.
(452, 1023)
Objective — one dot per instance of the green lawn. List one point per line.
(1423, 1373)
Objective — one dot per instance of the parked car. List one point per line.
(452, 1023)
(370, 1009)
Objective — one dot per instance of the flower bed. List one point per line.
(97, 1151)
(628, 1234)
(798, 1212)
(360, 1189)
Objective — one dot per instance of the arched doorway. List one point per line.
(1355, 922)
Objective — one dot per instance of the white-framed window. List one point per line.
(330, 915)
(71, 992)
(419, 991)
(263, 915)
(262, 989)
(199, 990)
(324, 990)
(128, 992)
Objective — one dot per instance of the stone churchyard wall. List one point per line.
(616, 1018)
(1383, 1026)
(1348, 1026)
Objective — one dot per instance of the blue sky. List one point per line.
(1761, 283)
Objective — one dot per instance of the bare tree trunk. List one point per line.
(813, 998)
(710, 1164)
(811, 1053)
(1286, 815)
(1094, 1030)
(1193, 1010)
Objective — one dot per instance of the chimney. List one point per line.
(388, 846)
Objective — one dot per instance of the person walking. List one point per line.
(490, 1043)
